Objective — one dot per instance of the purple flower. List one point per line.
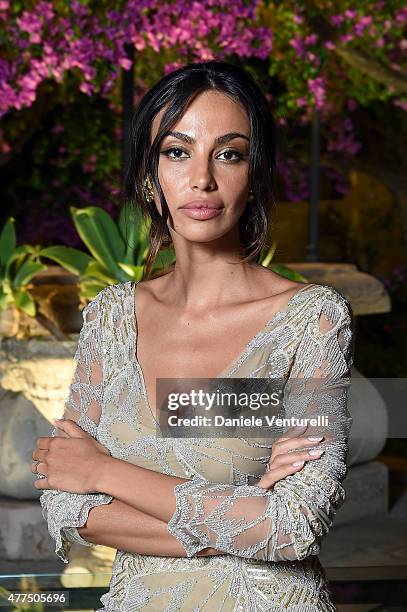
(317, 88)
(30, 23)
(86, 88)
(125, 63)
(401, 16)
(297, 43)
(366, 20)
(401, 103)
(342, 136)
(337, 20)
(311, 39)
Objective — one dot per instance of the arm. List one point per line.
(120, 526)
(288, 522)
(64, 511)
(97, 518)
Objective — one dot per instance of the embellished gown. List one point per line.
(269, 539)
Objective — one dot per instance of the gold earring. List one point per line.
(148, 190)
(251, 197)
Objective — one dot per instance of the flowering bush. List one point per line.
(47, 40)
(338, 58)
(330, 57)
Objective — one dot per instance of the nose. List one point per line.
(201, 175)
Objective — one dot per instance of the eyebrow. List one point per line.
(218, 141)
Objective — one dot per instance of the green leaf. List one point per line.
(26, 272)
(100, 234)
(141, 259)
(17, 257)
(134, 231)
(73, 260)
(89, 288)
(95, 270)
(23, 301)
(5, 299)
(287, 272)
(269, 255)
(133, 272)
(7, 241)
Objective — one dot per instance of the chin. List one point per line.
(203, 234)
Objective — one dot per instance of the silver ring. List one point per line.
(37, 473)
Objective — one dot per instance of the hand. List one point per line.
(70, 461)
(282, 460)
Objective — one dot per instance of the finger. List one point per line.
(39, 467)
(294, 443)
(286, 459)
(276, 474)
(72, 429)
(60, 433)
(292, 432)
(34, 467)
(43, 443)
(39, 454)
(42, 483)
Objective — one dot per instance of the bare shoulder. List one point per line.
(274, 284)
(155, 288)
(280, 284)
(326, 300)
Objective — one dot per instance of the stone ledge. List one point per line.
(366, 293)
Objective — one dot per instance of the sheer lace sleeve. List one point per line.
(63, 511)
(289, 521)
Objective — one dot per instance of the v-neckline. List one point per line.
(224, 372)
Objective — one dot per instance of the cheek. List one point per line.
(170, 175)
(168, 169)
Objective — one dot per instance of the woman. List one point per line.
(200, 524)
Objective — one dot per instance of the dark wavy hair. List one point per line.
(176, 91)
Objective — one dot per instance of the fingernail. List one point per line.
(316, 452)
(298, 463)
(314, 438)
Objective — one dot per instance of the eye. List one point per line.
(171, 150)
(176, 152)
(238, 155)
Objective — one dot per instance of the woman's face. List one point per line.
(196, 166)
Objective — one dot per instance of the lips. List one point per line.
(203, 204)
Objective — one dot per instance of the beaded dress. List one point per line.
(270, 539)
